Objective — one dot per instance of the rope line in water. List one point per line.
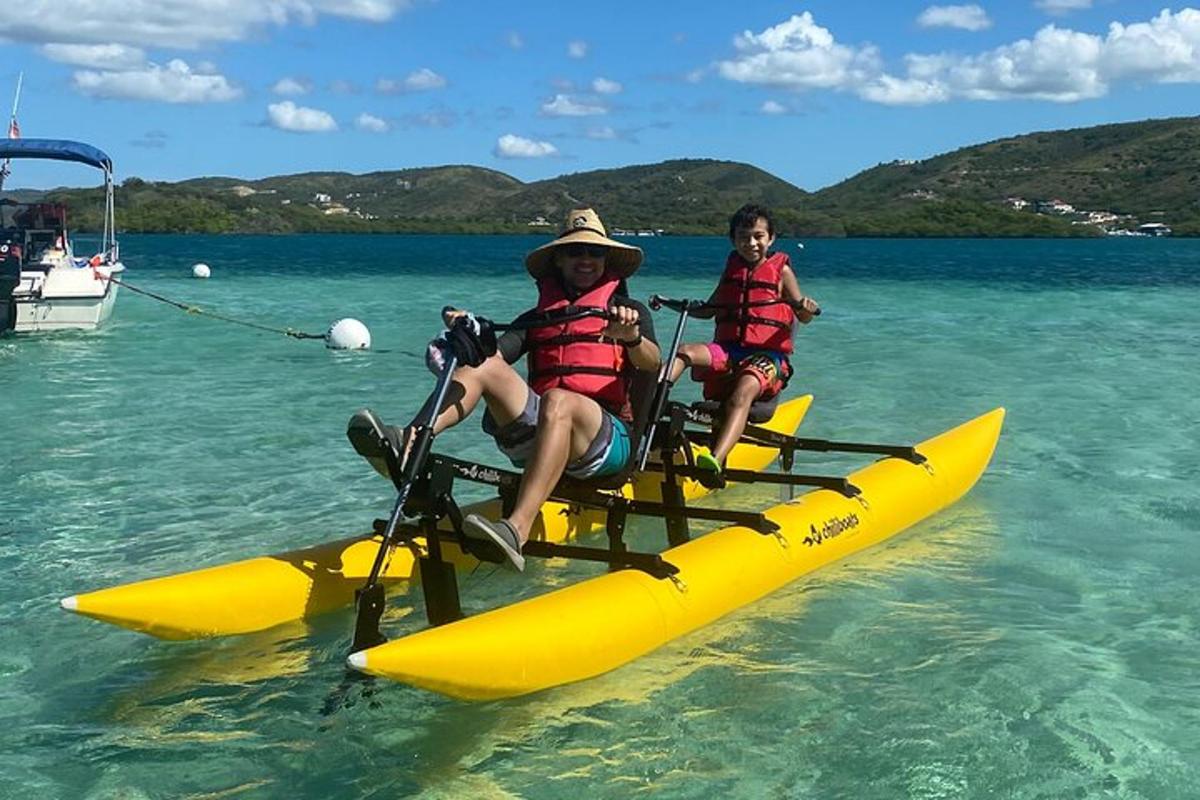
(196, 310)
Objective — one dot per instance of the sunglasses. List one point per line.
(589, 250)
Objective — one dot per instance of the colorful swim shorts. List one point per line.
(770, 367)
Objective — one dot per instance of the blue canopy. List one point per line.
(57, 150)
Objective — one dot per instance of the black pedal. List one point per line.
(484, 551)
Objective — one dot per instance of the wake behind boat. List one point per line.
(44, 285)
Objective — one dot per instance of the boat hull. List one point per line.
(66, 298)
(601, 623)
(260, 593)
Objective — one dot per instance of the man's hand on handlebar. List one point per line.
(622, 325)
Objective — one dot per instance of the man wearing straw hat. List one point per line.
(574, 412)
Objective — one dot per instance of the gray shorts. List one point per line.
(606, 455)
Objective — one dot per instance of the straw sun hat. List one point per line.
(583, 226)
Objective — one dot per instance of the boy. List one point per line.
(755, 304)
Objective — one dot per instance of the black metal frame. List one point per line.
(431, 501)
(426, 493)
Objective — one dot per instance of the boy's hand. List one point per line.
(623, 326)
(806, 305)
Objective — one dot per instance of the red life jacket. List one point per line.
(748, 315)
(572, 356)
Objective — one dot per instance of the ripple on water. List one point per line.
(1038, 640)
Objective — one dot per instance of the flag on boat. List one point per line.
(14, 130)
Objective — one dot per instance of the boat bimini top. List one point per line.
(67, 150)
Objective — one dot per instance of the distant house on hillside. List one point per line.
(1016, 202)
(1154, 229)
(1054, 207)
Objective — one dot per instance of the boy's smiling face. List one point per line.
(752, 243)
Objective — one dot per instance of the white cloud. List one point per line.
(371, 123)
(291, 86)
(342, 86)
(1060, 7)
(422, 80)
(174, 83)
(97, 56)
(577, 49)
(287, 116)
(605, 86)
(893, 91)
(798, 54)
(969, 18)
(565, 106)
(171, 23)
(774, 108)
(511, 146)
(515, 40)
(1056, 64)
(603, 132)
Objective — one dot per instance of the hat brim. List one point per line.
(622, 260)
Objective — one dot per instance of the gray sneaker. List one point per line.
(372, 439)
(500, 533)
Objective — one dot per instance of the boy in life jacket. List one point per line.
(756, 304)
(574, 412)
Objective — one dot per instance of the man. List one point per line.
(573, 413)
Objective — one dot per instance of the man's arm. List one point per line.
(511, 344)
(634, 327)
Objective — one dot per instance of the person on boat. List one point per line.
(756, 304)
(574, 412)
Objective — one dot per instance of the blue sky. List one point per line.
(812, 92)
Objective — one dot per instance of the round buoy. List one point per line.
(200, 271)
(799, 245)
(348, 334)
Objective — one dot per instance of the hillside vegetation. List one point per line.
(1144, 172)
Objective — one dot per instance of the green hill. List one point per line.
(1150, 170)
(1145, 171)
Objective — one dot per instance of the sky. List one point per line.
(812, 92)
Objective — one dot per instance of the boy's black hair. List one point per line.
(747, 215)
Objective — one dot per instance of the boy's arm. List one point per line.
(709, 309)
(789, 288)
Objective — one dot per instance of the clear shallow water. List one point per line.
(1039, 639)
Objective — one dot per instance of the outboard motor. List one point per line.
(10, 278)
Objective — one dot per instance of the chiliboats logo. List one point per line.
(831, 529)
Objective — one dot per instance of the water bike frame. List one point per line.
(426, 487)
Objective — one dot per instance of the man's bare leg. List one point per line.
(500, 386)
(567, 423)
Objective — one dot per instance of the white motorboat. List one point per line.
(44, 285)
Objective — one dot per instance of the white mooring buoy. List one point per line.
(348, 334)
(201, 271)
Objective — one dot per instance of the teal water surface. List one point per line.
(1040, 639)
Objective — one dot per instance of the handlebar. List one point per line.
(568, 314)
(692, 306)
(658, 301)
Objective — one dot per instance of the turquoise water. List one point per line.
(1038, 640)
